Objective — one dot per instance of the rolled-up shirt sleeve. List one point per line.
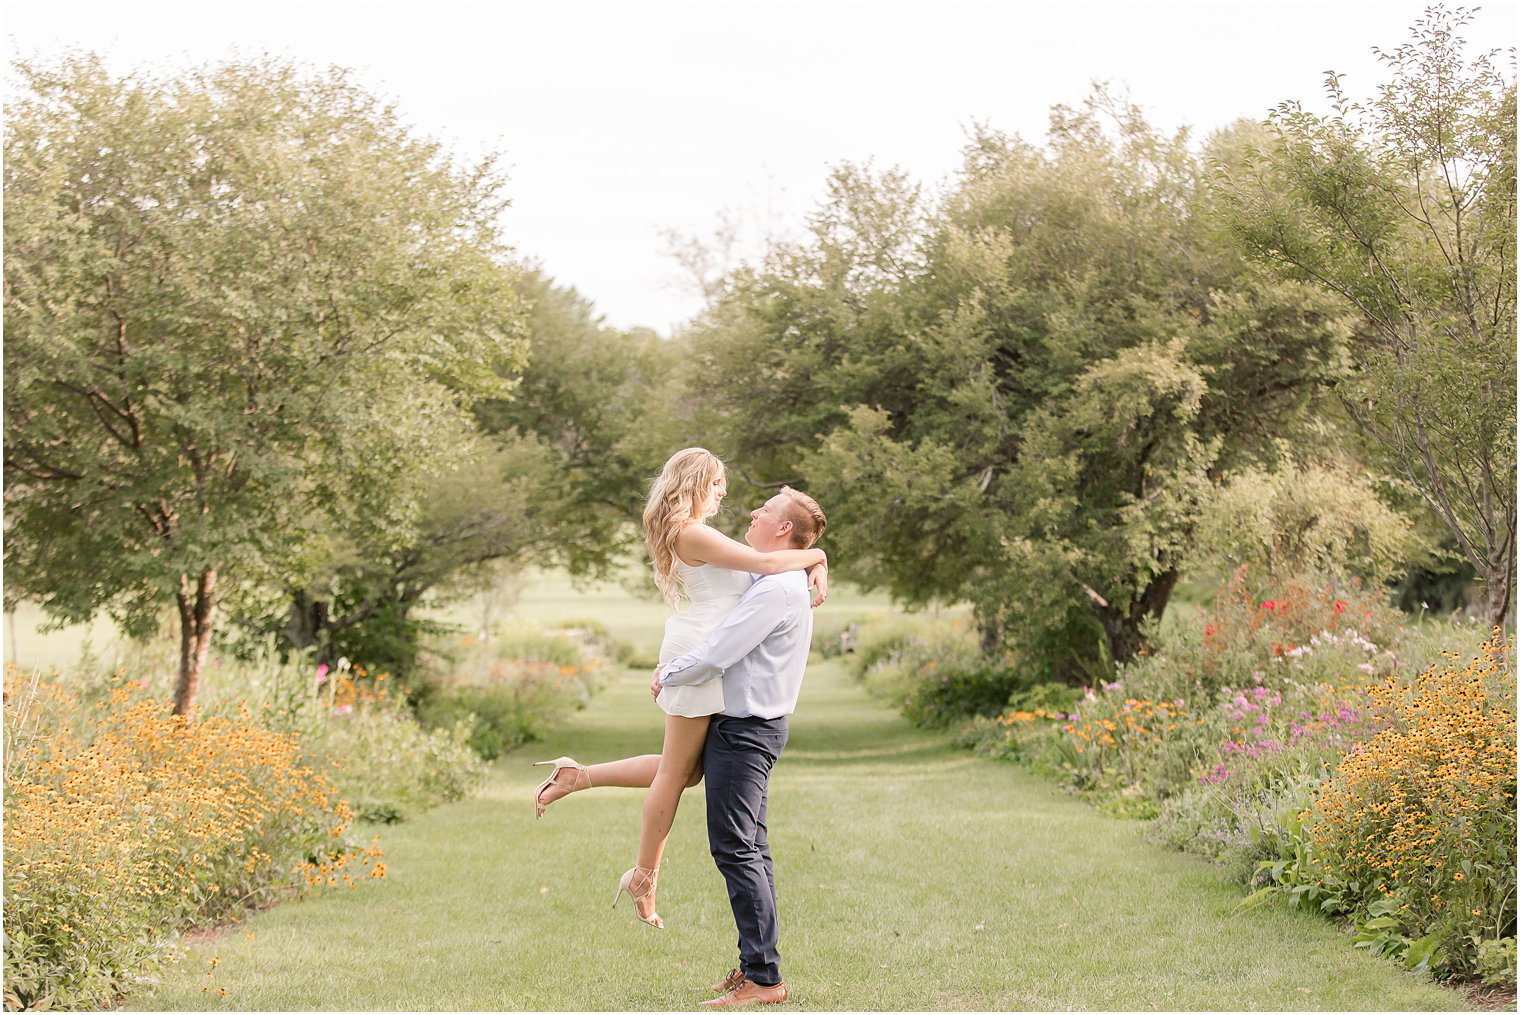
(759, 612)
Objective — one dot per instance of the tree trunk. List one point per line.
(1124, 638)
(1499, 586)
(195, 605)
(1121, 621)
(308, 624)
(990, 628)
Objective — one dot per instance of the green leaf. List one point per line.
(1420, 952)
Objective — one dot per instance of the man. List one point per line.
(760, 653)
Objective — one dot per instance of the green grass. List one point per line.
(911, 876)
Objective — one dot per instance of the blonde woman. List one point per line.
(692, 560)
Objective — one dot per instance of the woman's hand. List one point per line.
(818, 581)
(654, 685)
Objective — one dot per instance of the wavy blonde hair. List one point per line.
(676, 500)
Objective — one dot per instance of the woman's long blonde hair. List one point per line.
(676, 499)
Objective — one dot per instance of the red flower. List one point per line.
(1209, 631)
(1340, 606)
(1269, 604)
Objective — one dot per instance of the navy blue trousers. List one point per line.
(736, 763)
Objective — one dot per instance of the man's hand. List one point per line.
(654, 685)
(818, 580)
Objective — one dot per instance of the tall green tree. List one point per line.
(558, 477)
(1019, 396)
(492, 505)
(1404, 208)
(606, 407)
(234, 300)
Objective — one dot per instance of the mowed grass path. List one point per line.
(911, 876)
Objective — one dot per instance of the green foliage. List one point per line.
(517, 687)
(236, 303)
(1404, 209)
(1496, 961)
(596, 640)
(390, 768)
(559, 478)
(1018, 395)
(936, 673)
(1439, 583)
(600, 408)
(883, 640)
(1301, 519)
(1248, 811)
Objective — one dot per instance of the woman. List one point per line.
(712, 571)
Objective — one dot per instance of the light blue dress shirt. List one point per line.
(760, 651)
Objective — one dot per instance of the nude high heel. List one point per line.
(560, 764)
(626, 885)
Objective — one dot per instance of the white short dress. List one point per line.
(714, 592)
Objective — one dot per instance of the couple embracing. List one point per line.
(730, 671)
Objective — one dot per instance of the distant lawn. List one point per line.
(628, 607)
(912, 876)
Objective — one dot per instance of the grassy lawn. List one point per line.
(30, 647)
(911, 876)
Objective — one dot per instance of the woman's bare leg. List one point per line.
(680, 766)
(637, 772)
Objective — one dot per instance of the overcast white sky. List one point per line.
(620, 120)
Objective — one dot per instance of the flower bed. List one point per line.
(1283, 737)
(126, 826)
(1413, 838)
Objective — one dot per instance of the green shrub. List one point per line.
(1303, 518)
(499, 717)
(881, 642)
(1237, 818)
(945, 689)
(934, 672)
(515, 688)
(390, 768)
(595, 635)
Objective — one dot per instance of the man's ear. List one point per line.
(785, 528)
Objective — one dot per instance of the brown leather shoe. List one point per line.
(732, 979)
(749, 992)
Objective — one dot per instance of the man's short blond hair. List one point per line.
(806, 517)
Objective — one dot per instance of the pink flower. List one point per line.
(321, 674)
(343, 710)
